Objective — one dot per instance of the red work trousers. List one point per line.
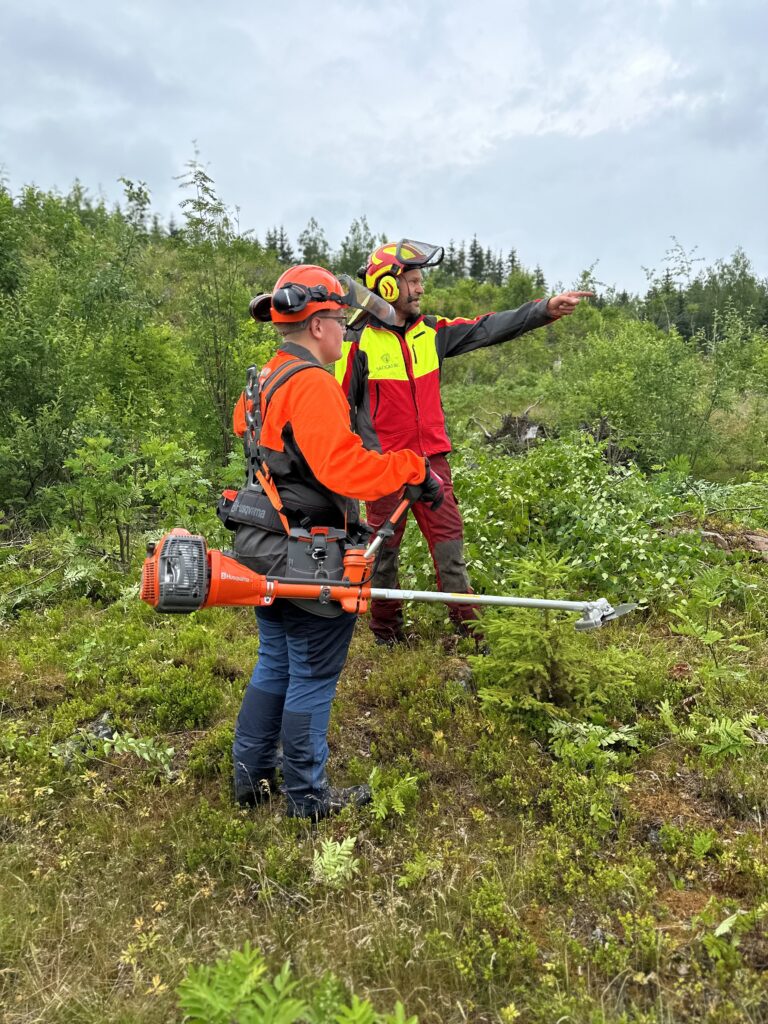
(443, 530)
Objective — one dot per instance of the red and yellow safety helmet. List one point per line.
(392, 259)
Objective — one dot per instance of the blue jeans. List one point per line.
(289, 697)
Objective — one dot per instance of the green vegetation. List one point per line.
(570, 827)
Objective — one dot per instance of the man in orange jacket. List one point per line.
(391, 376)
(315, 464)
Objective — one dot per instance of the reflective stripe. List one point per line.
(341, 365)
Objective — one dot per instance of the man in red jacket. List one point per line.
(391, 377)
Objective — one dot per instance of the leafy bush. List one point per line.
(647, 385)
(717, 738)
(211, 756)
(603, 521)
(117, 490)
(213, 838)
(538, 665)
(53, 567)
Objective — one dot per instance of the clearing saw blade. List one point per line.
(597, 614)
(618, 611)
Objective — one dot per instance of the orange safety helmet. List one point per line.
(303, 291)
(298, 294)
(392, 259)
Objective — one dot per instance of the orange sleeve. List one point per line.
(317, 410)
(238, 416)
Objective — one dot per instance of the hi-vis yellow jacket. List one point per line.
(391, 375)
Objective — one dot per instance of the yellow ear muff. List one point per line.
(388, 288)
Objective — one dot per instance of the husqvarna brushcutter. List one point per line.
(181, 574)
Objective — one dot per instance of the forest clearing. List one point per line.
(565, 826)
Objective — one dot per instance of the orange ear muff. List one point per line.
(388, 288)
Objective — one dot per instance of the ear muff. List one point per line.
(259, 308)
(388, 288)
(293, 298)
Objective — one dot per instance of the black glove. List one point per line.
(430, 489)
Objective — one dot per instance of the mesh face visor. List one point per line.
(418, 254)
(359, 297)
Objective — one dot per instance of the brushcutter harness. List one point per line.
(308, 552)
(258, 503)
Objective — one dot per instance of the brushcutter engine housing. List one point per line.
(176, 576)
(181, 575)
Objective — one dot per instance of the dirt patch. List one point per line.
(725, 536)
(667, 792)
(679, 906)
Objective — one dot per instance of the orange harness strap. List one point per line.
(254, 418)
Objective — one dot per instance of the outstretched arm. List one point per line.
(455, 337)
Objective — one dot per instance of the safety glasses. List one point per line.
(342, 319)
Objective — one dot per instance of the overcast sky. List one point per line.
(574, 131)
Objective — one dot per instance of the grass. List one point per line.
(488, 894)
(613, 873)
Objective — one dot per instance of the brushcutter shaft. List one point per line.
(488, 599)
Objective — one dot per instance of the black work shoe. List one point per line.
(253, 792)
(329, 801)
(395, 640)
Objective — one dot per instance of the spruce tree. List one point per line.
(313, 245)
(476, 260)
(284, 249)
(450, 263)
(355, 248)
(461, 261)
(271, 241)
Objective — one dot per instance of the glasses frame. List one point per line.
(340, 318)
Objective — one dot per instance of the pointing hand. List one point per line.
(565, 303)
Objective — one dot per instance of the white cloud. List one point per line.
(438, 112)
(452, 102)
